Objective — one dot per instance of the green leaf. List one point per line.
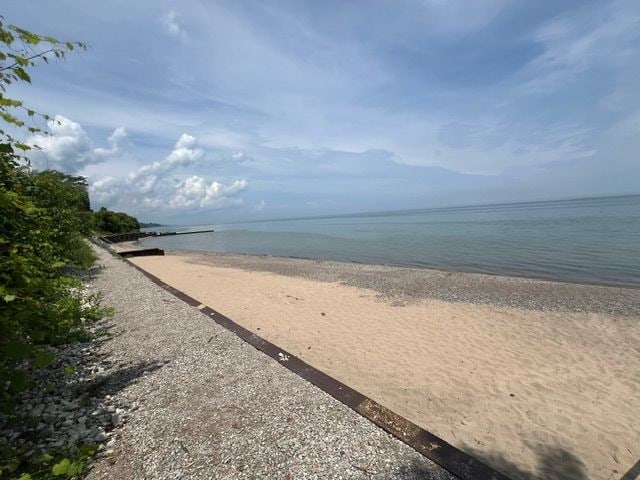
(38, 335)
(19, 71)
(62, 467)
(9, 102)
(9, 298)
(46, 458)
(11, 119)
(43, 359)
(75, 468)
(68, 371)
(21, 60)
(19, 380)
(25, 476)
(11, 466)
(26, 35)
(88, 450)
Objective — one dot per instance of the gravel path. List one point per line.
(402, 284)
(208, 405)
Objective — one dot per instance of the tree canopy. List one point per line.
(106, 221)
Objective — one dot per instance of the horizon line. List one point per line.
(378, 212)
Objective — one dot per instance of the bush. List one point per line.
(108, 222)
(41, 232)
(44, 217)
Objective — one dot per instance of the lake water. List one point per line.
(595, 240)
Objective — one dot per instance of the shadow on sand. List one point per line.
(553, 463)
(633, 473)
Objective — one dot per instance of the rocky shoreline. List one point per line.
(75, 410)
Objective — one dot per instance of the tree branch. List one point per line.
(41, 54)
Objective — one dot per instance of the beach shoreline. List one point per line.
(407, 284)
(434, 268)
(493, 365)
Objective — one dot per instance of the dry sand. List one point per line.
(527, 390)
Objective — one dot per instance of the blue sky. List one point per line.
(201, 111)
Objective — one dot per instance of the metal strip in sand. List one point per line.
(455, 461)
(146, 252)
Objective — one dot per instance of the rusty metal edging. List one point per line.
(452, 459)
(146, 252)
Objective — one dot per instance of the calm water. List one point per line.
(593, 240)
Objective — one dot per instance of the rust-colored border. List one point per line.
(147, 252)
(455, 461)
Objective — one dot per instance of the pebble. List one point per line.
(406, 285)
(65, 413)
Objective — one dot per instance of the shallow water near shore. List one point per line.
(594, 240)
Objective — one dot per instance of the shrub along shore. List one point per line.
(45, 220)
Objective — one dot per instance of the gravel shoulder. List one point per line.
(209, 405)
(406, 285)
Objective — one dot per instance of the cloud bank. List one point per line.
(153, 186)
(68, 147)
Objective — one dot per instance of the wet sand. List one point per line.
(537, 378)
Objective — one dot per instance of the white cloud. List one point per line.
(260, 206)
(106, 191)
(152, 186)
(580, 41)
(195, 191)
(68, 147)
(172, 25)
(184, 154)
(119, 142)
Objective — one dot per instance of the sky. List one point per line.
(214, 111)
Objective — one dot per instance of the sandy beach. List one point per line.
(538, 379)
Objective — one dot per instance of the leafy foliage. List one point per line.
(47, 466)
(41, 225)
(19, 51)
(44, 217)
(106, 221)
